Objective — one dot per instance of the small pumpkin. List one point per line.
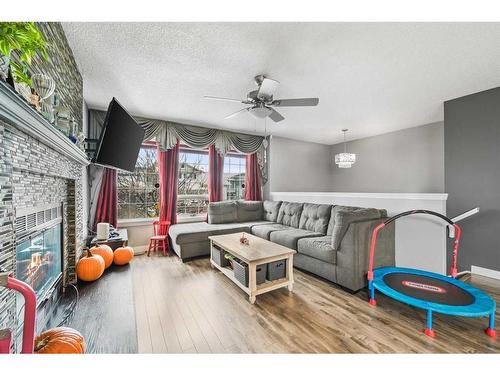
(60, 340)
(123, 255)
(90, 267)
(106, 253)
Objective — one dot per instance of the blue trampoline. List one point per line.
(428, 290)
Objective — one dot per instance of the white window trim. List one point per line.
(139, 222)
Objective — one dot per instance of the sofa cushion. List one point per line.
(331, 223)
(319, 248)
(315, 217)
(251, 224)
(195, 232)
(289, 237)
(289, 214)
(263, 231)
(222, 212)
(249, 210)
(271, 209)
(345, 215)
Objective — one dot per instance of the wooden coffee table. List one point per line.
(258, 251)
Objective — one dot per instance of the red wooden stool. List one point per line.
(159, 241)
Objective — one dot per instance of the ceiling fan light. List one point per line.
(260, 112)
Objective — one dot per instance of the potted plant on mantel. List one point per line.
(27, 41)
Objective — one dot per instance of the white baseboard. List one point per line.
(485, 272)
(139, 250)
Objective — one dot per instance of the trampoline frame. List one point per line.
(483, 304)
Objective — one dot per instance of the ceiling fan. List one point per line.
(261, 100)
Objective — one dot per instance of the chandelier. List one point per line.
(345, 159)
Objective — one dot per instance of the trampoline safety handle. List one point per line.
(456, 244)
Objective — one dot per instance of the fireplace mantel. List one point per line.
(14, 110)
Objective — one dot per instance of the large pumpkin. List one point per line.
(60, 340)
(90, 267)
(123, 255)
(106, 253)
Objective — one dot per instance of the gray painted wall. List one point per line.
(472, 178)
(404, 161)
(298, 166)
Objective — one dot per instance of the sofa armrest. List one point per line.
(354, 252)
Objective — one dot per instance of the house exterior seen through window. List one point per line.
(234, 176)
(193, 181)
(192, 193)
(138, 191)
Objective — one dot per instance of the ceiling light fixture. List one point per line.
(345, 159)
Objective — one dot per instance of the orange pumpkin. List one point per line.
(90, 267)
(60, 340)
(123, 255)
(106, 253)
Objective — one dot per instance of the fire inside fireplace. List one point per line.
(39, 260)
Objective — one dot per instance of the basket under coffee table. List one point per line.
(257, 252)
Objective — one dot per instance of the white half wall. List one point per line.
(420, 239)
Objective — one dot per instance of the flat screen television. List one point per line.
(120, 140)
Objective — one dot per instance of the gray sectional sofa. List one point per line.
(331, 241)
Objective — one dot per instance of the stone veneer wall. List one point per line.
(62, 67)
(33, 173)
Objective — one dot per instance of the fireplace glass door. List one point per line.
(39, 260)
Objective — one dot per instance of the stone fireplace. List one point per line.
(42, 187)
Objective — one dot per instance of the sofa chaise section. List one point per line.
(190, 240)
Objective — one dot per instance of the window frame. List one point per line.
(200, 217)
(132, 222)
(239, 156)
(139, 220)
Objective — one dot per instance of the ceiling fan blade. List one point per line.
(276, 116)
(302, 102)
(223, 99)
(236, 113)
(267, 88)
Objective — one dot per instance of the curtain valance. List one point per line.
(167, 133)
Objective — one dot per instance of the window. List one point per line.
(138, 191)
(192, 198)
(234, 176)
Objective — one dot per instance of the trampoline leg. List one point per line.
(490, 331)
(429, 331)
(372, 302)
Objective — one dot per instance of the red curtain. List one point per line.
(107, 203)
(215, 174)
(253, 186)
(168, 163)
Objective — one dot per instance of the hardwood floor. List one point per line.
(104, 314)
(192, 308)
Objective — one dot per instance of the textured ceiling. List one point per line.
(370, 78)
